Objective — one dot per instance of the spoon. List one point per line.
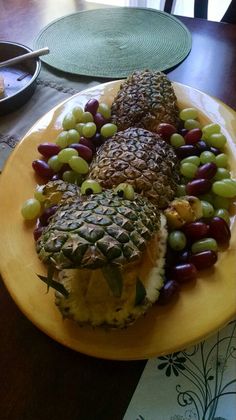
(20, 58)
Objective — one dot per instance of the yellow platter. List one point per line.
(203, 307)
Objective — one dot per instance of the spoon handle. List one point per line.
(23, 57)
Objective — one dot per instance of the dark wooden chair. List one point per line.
(201, 7)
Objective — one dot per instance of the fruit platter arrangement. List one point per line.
(133, 201)
(124, 211)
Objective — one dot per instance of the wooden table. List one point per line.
(40, 379)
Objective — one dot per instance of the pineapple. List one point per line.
(92, 231)
(140, 158)
(110, 255)
(57, 191)
(145, 99)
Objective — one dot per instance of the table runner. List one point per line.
(179, 386)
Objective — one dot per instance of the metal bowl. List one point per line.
(19, 79)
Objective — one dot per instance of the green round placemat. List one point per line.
(113, 42)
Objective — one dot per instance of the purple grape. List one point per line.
(42, 169)
(48, 149)
(215, 150)
(187, 150)
(99, 120)
(97, 140)
(91, 106)
(206, 171)
(170, 289)
(88, 143)
(84, 151)
(44, 218)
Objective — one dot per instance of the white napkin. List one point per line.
(195, 384)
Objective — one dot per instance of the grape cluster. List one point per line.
(83, 131)
(205, 174)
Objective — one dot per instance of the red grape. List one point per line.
(42, 169)
(44, 218)
(38, 230)
(48, 149)
(204, 259)
(219, 230)
(165, 130)
(99, 120)
(196, 230)
(184, 272)
(206, 171)
(193, 136)
(84, 151)
(198, 186)
(91, 106)
(88, 143)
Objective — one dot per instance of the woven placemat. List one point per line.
(112, 42)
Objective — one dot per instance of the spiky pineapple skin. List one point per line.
(140, 158)
(145, 99)
(90, 301)
(90, 232)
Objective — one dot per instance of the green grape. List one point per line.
(79, 165)
(31, 209)
(221, 202)
(211, 129)
(89, 129)
(188, 170)
(73, 136)
(66, 154)
(177, 240)
(38, 194)
(62, 139)
(181, 190)
(222, 160)
(176, 140)
(77, 111)
(191, 159)
(79, 128)
(55, 163)
(70, 176)
(108, 130)
(207, 209)
(86, 117)
(90, 187)
(190, 124)
(69, 121)
(207, 197)
(105, 110)
(207, 244)
(206, 157)
(188, 113)
(224, 188)
(221, 173)
(224, 214)
(125, 191)
(217, 140)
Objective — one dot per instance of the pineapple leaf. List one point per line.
(53, 283)
(140, 292)
(114, 279)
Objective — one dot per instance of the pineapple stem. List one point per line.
(53, 283)
(114, 279)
